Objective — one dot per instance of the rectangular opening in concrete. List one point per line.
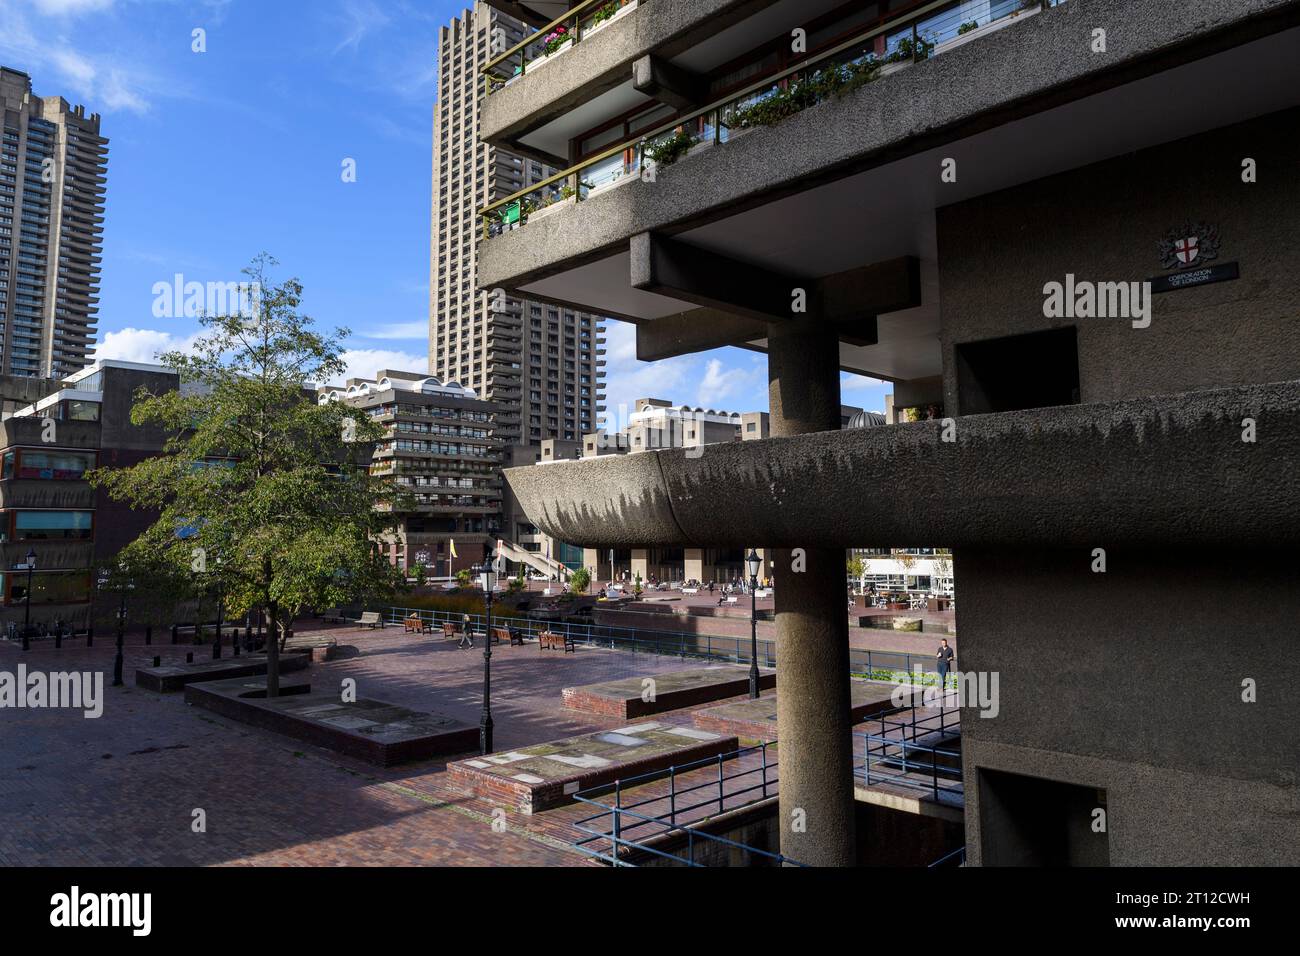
(1035, 370)
(1029, 821)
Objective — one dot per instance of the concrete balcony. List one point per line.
(53, 495)
(536, 113)
(1162, 472)
(50, 555)
(853, 180)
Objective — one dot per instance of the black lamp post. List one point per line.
(487, 579)
(121, 630)
(27, 617)
(753, 561)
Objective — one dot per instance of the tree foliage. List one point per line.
(263, 495)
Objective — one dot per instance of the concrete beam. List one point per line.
(1154, 472)
(695, 331)
(669, 84)
(673, 268)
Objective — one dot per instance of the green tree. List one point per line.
(856, 568)
(464, 578)
(263, 495)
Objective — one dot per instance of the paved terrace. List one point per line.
(121, 790)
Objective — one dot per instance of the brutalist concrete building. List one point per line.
(53, 174)
(1068, 227)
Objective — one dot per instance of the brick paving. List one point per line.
(121, 790)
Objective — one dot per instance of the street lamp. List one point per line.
(27, 618)
(753, 561)
(122, 584)
(487, 579)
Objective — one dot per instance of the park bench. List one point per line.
(332, 616)
(450, 630)
(733, 599)
(370, 619)
(557, 641)
(506, 635)
(690, 590)
(416, 624)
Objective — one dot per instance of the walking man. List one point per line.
(944, 658)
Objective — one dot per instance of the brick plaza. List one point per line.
(122, 789)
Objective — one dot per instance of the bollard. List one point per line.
(148, 635)
(58, 639)
(90, 636)
(157, 661)
(234, 642)
(189, 657)
(216, 652)
(176, 634)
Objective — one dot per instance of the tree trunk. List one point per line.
(272, 652)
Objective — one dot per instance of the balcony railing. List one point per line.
(878, 50)
(557, 37)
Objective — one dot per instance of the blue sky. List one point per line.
(217, 156)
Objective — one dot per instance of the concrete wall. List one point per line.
(1103, 223)
(1131, 682)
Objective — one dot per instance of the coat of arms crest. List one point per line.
(1189, 245)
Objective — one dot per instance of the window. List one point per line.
(52, 525)
(48, 465)
(59, 587)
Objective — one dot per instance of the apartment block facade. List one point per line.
(925, 179)
(53, 175)
(441, 450)
(541, 363)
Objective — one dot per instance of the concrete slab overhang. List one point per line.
(1158, 472)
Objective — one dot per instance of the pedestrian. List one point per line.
(944, 658)
(466, 635)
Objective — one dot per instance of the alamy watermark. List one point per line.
(181, 299)
(1098, 300)
(62, 690)
(977, 689)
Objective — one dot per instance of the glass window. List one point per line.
(52, 525)
(59, 587)
(54, 465)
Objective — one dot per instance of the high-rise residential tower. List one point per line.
(53, 164)
(539, 362)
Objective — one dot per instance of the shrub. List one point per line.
(835, 80)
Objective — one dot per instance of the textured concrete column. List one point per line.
(813, 725)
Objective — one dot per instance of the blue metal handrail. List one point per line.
(617, 835)
(876, 665)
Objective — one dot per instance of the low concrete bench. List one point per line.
(554, 640)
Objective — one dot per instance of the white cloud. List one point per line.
(141, 345)
(360, 17)
(397, 330)
(61, 8)
(719, 384)
(363, 363)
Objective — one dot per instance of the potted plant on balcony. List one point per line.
(667, 151)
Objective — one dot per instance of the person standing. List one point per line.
(943, 659)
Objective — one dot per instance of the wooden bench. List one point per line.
(506, 635)
(450, 630)
(554, 640)
(370, 619)
(332, 616)
(417, 625)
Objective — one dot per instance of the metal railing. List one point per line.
(956, 858)
(917, 35)
(895, 667)
(611, 838)
(901, 761)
